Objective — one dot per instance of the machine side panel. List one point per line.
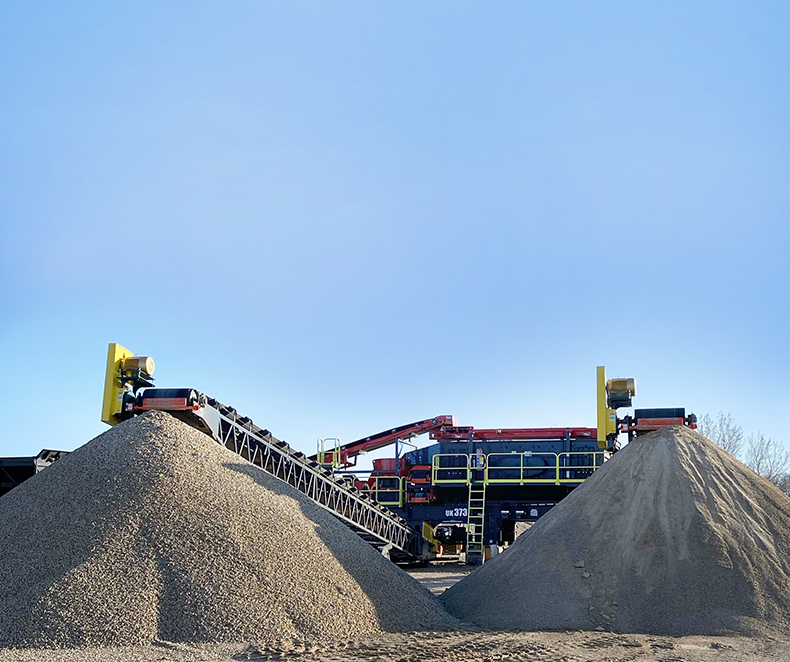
(112, 405)
(607, 418)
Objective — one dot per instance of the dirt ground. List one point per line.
(438, 576)
(466, 645)
(457, 646)
(537, 647)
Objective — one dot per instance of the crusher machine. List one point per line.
(475, 490)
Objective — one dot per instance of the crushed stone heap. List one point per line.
(152, 531)
(671, 536)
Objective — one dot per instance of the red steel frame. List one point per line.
(443, 428)
(470, 433)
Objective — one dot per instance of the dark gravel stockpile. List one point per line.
(153, 531)
(672, 536)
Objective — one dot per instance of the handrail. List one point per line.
(551, 468)
(526, 468)
(384, 494)
(528, 473)
(457, 473)
(333, 455)
(582, 471)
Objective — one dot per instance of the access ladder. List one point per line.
(475, 522)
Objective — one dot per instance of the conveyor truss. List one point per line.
(373, 522)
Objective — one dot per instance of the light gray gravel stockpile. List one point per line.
(671, 536)
(154, 531)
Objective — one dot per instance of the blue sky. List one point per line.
(341, 217)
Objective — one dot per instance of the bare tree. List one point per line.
(767, 457)
(705, 426)
(729, 434)
(784, 483)
(724, 431)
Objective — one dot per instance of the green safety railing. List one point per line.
(521, 468)
(527, 468)
(450, 469)
(388, 490)
(331, 457)
(566, 466)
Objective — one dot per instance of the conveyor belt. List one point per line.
(370, 520)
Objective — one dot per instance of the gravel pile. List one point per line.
(152, 531)
(672, 536)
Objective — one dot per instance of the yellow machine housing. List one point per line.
(428, 537)
(124, 372)
(612, 394)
